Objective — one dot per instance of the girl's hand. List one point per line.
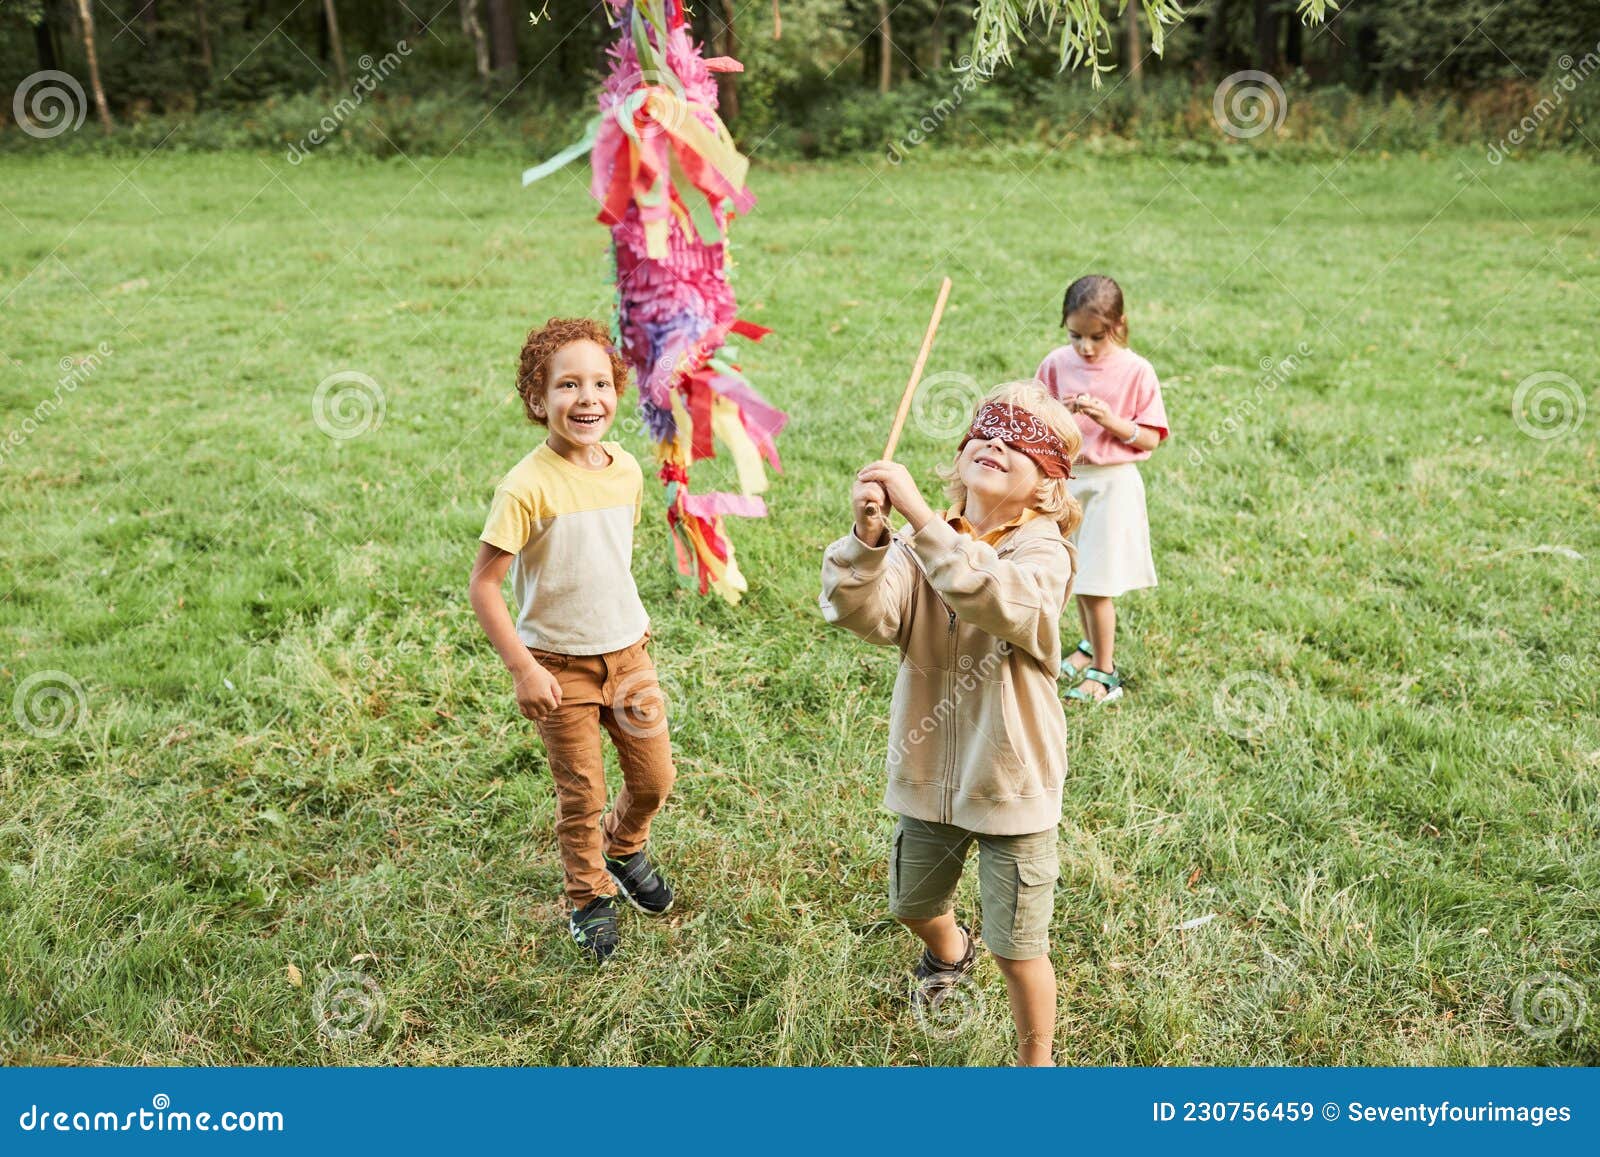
(871, 506)
(1091, 406)
(902, 491)
(538, 692)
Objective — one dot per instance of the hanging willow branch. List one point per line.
(1082, 27)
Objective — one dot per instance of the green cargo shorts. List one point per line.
(1016, 881)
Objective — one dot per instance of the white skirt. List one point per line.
(1114, 541)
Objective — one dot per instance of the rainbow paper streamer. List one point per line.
(669, 180)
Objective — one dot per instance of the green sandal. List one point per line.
(1083, 648)
(1110, 680)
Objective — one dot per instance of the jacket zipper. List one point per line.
(949, 745)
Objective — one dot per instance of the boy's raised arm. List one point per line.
(865, 581)
(1018, 599)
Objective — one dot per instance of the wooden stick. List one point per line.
(916, 380)
(916, 372)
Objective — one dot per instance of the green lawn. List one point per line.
(1362, 718)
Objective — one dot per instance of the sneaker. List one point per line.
(934, 978)
(594, 927)
(641, 885)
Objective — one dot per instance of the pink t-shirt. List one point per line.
(1120, 378)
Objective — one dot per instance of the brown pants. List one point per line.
(617, 691)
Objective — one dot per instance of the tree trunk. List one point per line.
(86, 17)
(202, 30)
(728, 82)
(472, 29)
(43, 45)
(1294, 42)
(332, 18)
(936, 56)
(503, 35)
(1266, 37)
(885, 48)
(1135, 46)
(148, 17)
(1217, 50)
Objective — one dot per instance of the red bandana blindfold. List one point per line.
(1024, 433)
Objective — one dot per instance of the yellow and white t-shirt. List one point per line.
(572, 532)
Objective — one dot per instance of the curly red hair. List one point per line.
(534, 365)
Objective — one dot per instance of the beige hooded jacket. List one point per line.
(977, 734)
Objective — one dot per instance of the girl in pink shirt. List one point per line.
(1117, 400)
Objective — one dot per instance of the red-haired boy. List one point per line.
(562, 525)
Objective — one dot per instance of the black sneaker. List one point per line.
(934, 978)
(641, 885)
(594, 927)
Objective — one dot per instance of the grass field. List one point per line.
(1362, 725)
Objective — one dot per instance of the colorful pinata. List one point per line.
(669, 180)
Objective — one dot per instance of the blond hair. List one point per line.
(1052, 498)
